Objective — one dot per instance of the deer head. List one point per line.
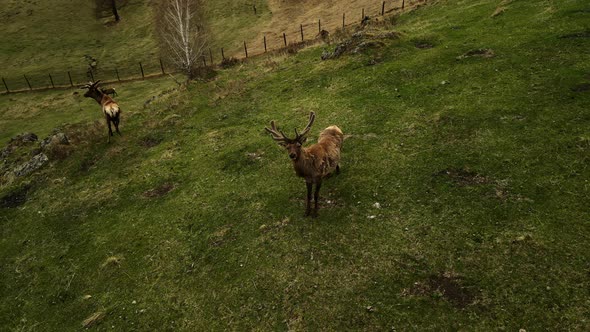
(293, 145)
(93, 91)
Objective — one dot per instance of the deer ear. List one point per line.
(302, 139)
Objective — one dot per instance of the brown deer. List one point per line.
(109, 91)
(110, 108)
(312, 163)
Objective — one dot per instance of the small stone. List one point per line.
(377, 205)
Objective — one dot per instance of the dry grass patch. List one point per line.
(93, 319)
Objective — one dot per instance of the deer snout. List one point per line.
(292, 155)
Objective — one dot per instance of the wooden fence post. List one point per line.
(51, 79)
(264, 43)
(161, 67)
(28, 83)
(383, 8)
(222, 55)
(117, 72)
(363, 14)
(343, 20)
(301, 26)
(211, 56)
(319, 26)
(5, 85)
(204, 60)
(245, 49)
(285, 39)
(403, 4)
(71, 82)
(142, 74)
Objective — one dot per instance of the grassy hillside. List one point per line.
(38, 38)
(31, 26)
(193, 219)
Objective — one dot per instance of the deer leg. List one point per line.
(110, 130)
(316, 196)
(116, 121)
(308, 202)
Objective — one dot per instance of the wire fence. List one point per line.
(77, 77)
(271, 42)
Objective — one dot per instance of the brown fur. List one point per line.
(109, 91)
(313, 163)
(110, 108)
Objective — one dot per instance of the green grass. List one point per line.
(67, 31)
(38, 38)
(482, 183)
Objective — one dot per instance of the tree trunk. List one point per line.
(115, 12)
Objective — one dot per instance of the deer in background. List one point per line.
(312, 163)
(110, 108)
(109, 91)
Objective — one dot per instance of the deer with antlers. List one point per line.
(312, 163)
(110, 108)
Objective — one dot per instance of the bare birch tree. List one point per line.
(182, 34)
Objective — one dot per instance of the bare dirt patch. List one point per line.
(150, 141)
(580, 34)
(423, 44)
(446, 285)
(463, 177)
(581, 87)
(15, 198)
(221, 236)
(159, 191)
(480, 52)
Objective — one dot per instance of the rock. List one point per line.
(32, 165)
(55, 139)
(27, 137)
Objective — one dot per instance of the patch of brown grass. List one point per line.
(289, 15)
(159, 191)
(93, 319)
(112, 261)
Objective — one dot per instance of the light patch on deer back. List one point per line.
(332, 136)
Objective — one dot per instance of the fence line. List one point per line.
(152, 69)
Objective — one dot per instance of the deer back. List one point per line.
(109, 106)
(323, 157)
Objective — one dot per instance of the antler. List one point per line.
(277, 135)
(307, 128)
(90, 85)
